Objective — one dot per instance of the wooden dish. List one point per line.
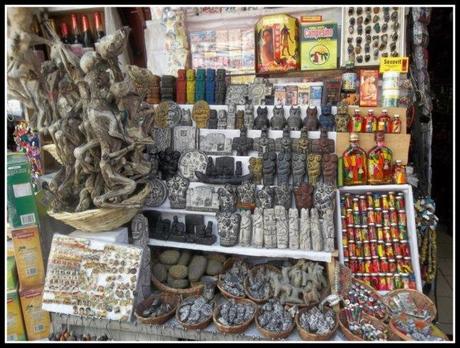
(204, 324)
(421, 301)
(435, 330)
(195, 290)
(270, 334)
(227, 265)
(246, 282)
(236, 328)
(308, 336)
(165, 297)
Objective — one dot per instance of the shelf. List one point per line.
(309, 74)
(248, 251)
(180, 211)
(55, 9)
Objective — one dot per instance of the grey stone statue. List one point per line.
(248, 115)
(324, 197)
(245, 228)
(231, 116)
(265, 197)
(269, 168)
(311, 122)
(294, 120)
(228, 226)
(304, 232)
(282, 227)
(227, 199)
(140, 232)
(264, 144)
(278, 121)
(242, 144)
(246, 195)
(177, 189)
(212, 121)
(258, 228)
(315, 230)
(269, 228)
(293, 228)
(284, 144)
(283, 195)
(222, 119)
(302, 145)
(327, 227)
(298, 168)
(261, 119)
(186, 119)
(283, 167)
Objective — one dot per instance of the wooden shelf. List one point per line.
(314, 75)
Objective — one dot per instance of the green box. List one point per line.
(22, 210)
(318, 46)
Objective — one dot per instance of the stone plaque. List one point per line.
(185, 138)
(200, 114)
(236, 94)
(192, 161)
(168, 114)
(158, 194)
(202, 198)
(162, 138)
(215, 144)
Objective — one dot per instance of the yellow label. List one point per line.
(15, 324)
(309, 19)
(396, 64)
(37, 320)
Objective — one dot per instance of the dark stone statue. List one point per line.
(269, 168)
(303, 195)
(311, 121)
(261, 119)
(212, 121)
(294, 120)
(177, 231)
(283, 167)
(168, 163)
(323, 145)
(242, 144)
(278, 121)
(326, 119)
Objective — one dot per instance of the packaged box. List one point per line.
(15, 325)
(11, 272)
(37, 321)
(29, 258)
(303, 93)
(368, 87)
(280, 95)
(291, 95)
(331, 91)
(277, 44)
(316, 93)
(22, 210)
(318, 46)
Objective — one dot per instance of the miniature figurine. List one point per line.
(181, 87)
(242, 144)
(316, 237)
(283, 195)
(322, 145)
(177, 231)
(246, 194)
(204, 234)
(223, 172)
(222, 119)
(139, 227)
(302, 145)
(239, 119)
(212, 121)
(186, 118)
(168, 163)
(269, 228)
(257, 239)
(304, 234)
(200, 86)
(265, 197)
(269, 168)
(303, 195)
(227, 199)
(313, 168)
(329, 167)
(190, 86)
(200, 113)
(231, 116)
(228, 226)
(328, 230)
(283, 167)
(326, 119)
(323, 197)
(248, 115)
(282, 228)
(278, 121)
(294, 120)
(255, 168)
(311, 121)
(293, 229)
(264, 143)
(298, 168)
(261, 120)
(284, 144)
(221, 87)
(210, 85)
(245, 228)
(341, 121)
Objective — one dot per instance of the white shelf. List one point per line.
(54, 9)
(180, 211)
(248, 251)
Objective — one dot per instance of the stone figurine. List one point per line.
(329, 169)
(203, 234)
(242, 144)
(246, 194)
(305, 233)
(284, 144)
(313, 168)
(265, 197)
(327, 227)
(228, 226)
(341, 122)
(186, 119)
(181, 87)
(302, 145)
(190, 86)
(278, 121)
(324, 197)
(212, 121)
(177, 231)
(168, 163)
(227, 199)
(298, 168)
(168, 114)
(239, 119)
(222, 119)
(200, 113)
(311, 121)
(264, 144)
(283, 167)
(326, 119)
(210, 85)
(293, 229)
(294, 120)
(223, 172)
(221, 87)
(245, 228)
(239, 169)
(249, 115)
(255, 169)
(303, 195)
(283, 195)
(162, 229)
(200, 86)
(269, 228)
(185, 138)
(257, 239)
(315, 231)
(282, 227)
(323, 145)
(158, 193)
(261, 119)
(231, 116)
(269, 168)
(140, 231)
(177, 189)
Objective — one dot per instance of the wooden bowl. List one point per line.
(204, 324)
(270, 334)
(246, 282)
(195, 290)
(227, 265)
(236, 328)
(421, 301)
(171, 299)
(308, 336)
(403, 336)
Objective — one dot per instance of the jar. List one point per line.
(397, 283)
(371, 216)
(384, 266)
(373, 248)
(402, 232)
(370, 200)
(360, 264)
(393, 216)
(402, 218)
(367, 278)
(383, 282)
(392, 265)
(351, 248)
(350, 233)
(405, 280)
(349, 217)
(366, 249)
(405, 250)
(400, 204)
(386, 218)
(391, 200)
(412, 283)
(389, 277)
(374, 280)
(372, 232)
(399, 173)
(395, 124)
(362, 203)
(353, 264)
(348, 200)
(394, 231)
(364, 233)
(389, 251)
(364, 218)
(356, 218)
(375, 264)
(387, 234)
(385, 202)
(378, 216)
(380, 235)
(381, 249)
(367, 264)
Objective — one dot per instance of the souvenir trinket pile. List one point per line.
(232, 280)
(274, 317)
(403, 302)
(318, 322)
(232, 313)
(156, 309)
(364, 299)
(194, 310)
(66, 335)
(258, 283)
(363, 328)
(417, 330)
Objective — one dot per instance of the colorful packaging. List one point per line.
(316, 93)
(37, 321)
(277, 44)
(15, 325)
(292, 95)
(22, 209)
(368, 87)
(303, 94)
(29, 258)
(318, 46)
(11, 272)
(280, 95)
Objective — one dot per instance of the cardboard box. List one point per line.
(29, 258)
(318, 46)
(120, 235)
(368, 87)
(37, 321)
(11, 272)
(277, 44)
(15, 325)
(22, 210)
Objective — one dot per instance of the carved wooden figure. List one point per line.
(200, 85)
(311, 121)
(181, 87)
(191, 86)
(210, 85)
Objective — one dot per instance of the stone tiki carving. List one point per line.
(302, 145)
(278, 121)
(303, 195)
(245, 228)
(342, 118)
(304, 233)
(269, 168)
(293, 228)
(261, 119)
(284, 144)
(239, 119)
(315, 231)
(200, 85)
(190, 86)
(177, 188)
(328, 230)
(282, 227)
(313, 168)
(242, 144)
(255, 168)
(329, 166)
(298, 168)
(181, 87)
(326, 119)
(212, 121)
(227, 199)
(246, 194)
(228, 226)
(283, 195)
(269, 228)
(311, 121)
(231, 116)
(283, 167)
(323, 145)
(257, 239)
(140, 231)
(249, 115)
(168, 163)
(177, 231)
(324, 197)
(265, 197)
(200, 114)
(264, 144)
(294, 120)
(221, 87)
(222, 119)
(210, 85)
(186, 119)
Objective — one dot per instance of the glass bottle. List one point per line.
(99, 26)
(88, 41)
(76, 44)
(354, 163)
(399, 173)
(379, 162)
(396, 124)
(370, 122)
(64, 33)
(383, 122)
(356, 122)
(38, 50)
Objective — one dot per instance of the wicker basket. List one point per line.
(270, 334)
(103, 219)
(204, 324)
(195, 290)
(171, 299)
(246, 282)
(236, 328)
(227, 265)
(51, 149)
(308, 336)
(421, 301)
(395, 331)
(376, 295)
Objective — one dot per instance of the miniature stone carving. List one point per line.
(195, 310)
(305, 231)
(200, 113)
(140, 231)
(177, 231)
(212, 121)
(232, 313)
(162, 229)
(223, 172)
(245, 228)
(215, 144)
(293, 228)
(246, 193)
(231, 116)
(341, 121)
(190, 86)
(242, 144)
(324, 197)
(265, 197)
(261, 121)
(185, 138)
(210, 85)
(236, 93)
(264, 143)
(269, 168)
(158, 194)
(283, 167)
(315, 231)
(200, 87)
(311, 121)
(323, 145)
(177, 188)
(298, 168)
(303, 195)
(282, 227)
(181, 89)
(162, 138)
(273, 317)
(329, 164)
(202, 198)
(222, 119)
(249, 115)
(232, 280)
(294, 120)
(239, 119)
(328, 230)
(168, 114)
(278, 121)
(326, 119)
(220, 87)
(228, 226)
(283, 195)
(302, 145)
(168, 163)
(255, 168)
(192, 161)
(168, 88)
(192, 224)
(269, 228)
(284, 144)
(227, 199)
(313, 168)
(203, 234)
(257, 239)
(258, 90)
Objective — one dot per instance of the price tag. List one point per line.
(396, 64)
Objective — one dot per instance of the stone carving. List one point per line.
(311, 121)
(177, 188)
(222, 119)
(269, 228)
(177, 231)
(203, 234)
(140, 231)
(326, 119)
(223, 172)
(202, 198)
(324, 197)
(162, 138)
(245, 228)
(255, 168)
(239, 119)
(305, 233)
(168, 163)
(261, 121)
(303, 195)
(192, 161)
(315, 231)
(257, 240)
(215, 144)
(181, 87)
(158, 194)
(200, 86)
(265, 197)
(342, 118)
(269, 168)
(283, 195)
(185, 138)
(298, 168)
(168, 114)
(162, 229)
(227, 199)
(212, 122)
(258, 90)
(282, 228)
(283, 167)
(278, 121)
(293, 228)
(228, 226)
(236, 93)
(246, 196)
(193, 223)
(221, 87)
(264, 144)
(200, 113)
(284, 144)
(186, 119)
(231, 116)
(242, 144)
(323, 145)
(294, 120)
(328, 230)
(210, 85)
(302, 145)
(249, 115)
(313, 168)
(168, 88)
(190, 86)
(329, 167)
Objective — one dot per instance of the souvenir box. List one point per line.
(368, 87)
(11, 273)
(36, 320)
(318, 46)
(277, 44)
(15, 325)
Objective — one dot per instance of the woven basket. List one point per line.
(204, 324)
(246, 282)
(195, 290)
(376, 295)
(227, 265)
(421, 301)
(51, 149)
(270, 334)
(395, 331)
(308, 336)
(236, 328)
(103, 219)
(171, 299)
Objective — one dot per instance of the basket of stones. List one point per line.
(231, 281)
(157, 308)
(410, 302)
(273, 320)
(258, 282)
(316, 324)
(408, 328)
(195, 312)
(356, 325)
(234, 316)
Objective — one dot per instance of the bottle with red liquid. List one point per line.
(356, 122)
(76, 43)
(383, 122)
(379, 162)
(370, 122)
(396, 124)
(399, 173)
(87, 37)
(100, 33)
(65, 33)
(354, 163)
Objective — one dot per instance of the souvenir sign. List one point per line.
(91, 278)
(168, 114)
(158, 194)
(200, 114)
(185, 138)
(192, 161)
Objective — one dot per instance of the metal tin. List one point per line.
(402, 218)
